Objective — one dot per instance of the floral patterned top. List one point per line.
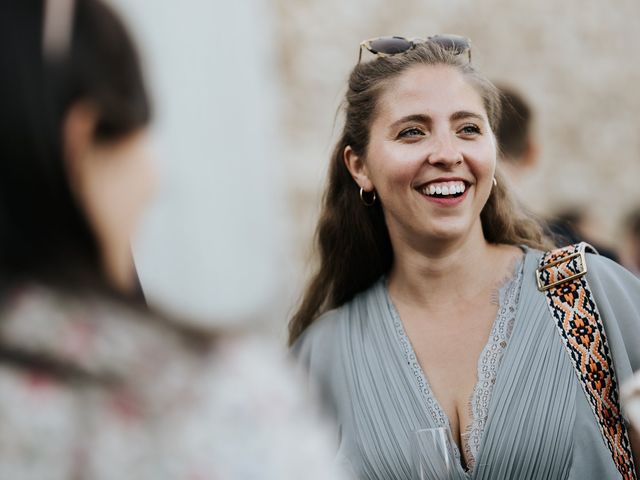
(121, 395)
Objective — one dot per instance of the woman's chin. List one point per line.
(447, 232)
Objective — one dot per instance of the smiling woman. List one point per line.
(424, 312)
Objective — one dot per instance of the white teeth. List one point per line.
(444, 188)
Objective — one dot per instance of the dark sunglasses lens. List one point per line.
(390, 45)
(452, 43)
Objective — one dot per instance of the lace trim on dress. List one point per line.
(490, 359)
(507, 297)
(434, 409)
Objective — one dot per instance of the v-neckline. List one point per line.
(433, 407)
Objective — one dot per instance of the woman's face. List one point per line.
(113, 182)
(431, 156)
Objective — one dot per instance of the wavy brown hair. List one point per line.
(352, 240)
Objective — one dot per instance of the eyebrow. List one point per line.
(463, 114)
(420, 118)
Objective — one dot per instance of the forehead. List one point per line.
(438, 90)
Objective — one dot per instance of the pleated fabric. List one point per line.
(539, 425)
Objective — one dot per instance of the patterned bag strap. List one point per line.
(561, 276)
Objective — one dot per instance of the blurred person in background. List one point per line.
(425, 310)
(630, 255)
(518, 156)
(517, 149)
(576, 224)
(93, 386)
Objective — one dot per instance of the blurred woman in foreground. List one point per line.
(92, 385)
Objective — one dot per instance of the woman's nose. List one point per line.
(444, 152)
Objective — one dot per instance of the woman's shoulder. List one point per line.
(324, 331)
(325, 327)
(91, 334)
(315, 348)
(615, 292)
(603, 267)
(115, 341)
(596, 265)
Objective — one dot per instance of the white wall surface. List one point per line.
(214, 244)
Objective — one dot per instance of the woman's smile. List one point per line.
(445, 192)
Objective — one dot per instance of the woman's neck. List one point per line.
(447, 273)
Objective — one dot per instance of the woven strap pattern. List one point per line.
(576, 315)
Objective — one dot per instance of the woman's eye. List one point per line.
(470, 130)
(411, 132)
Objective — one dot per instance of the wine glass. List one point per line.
(431, 454)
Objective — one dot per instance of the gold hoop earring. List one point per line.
(495, 182)
(364, 201)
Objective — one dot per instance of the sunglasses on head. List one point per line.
(390, 46)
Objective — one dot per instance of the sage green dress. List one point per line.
(532, 419)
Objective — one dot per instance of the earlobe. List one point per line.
(357, 169)
(530, 156)
(78, 136)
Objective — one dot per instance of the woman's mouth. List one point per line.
(444, 193)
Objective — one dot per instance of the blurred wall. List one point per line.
(214, 245)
